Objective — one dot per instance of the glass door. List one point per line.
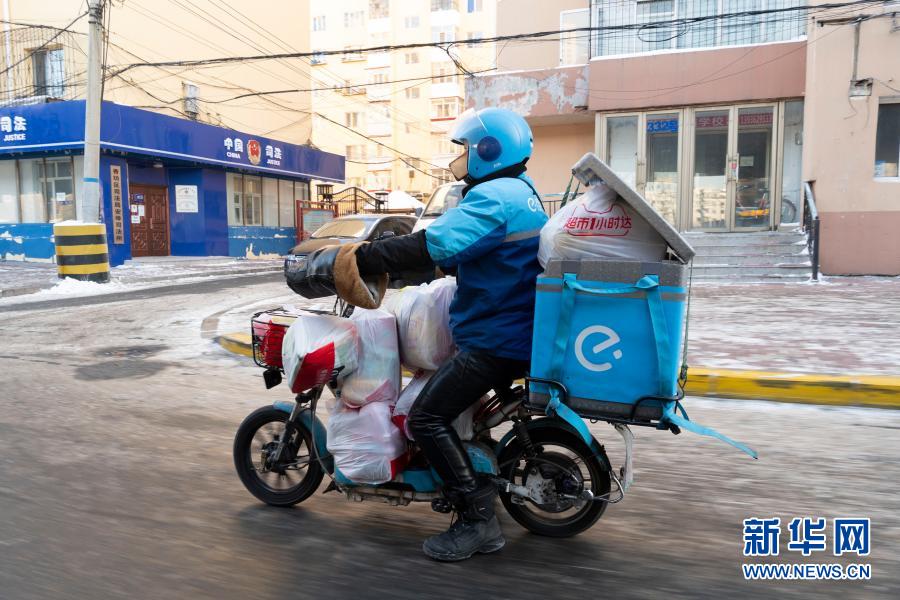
(622, 147)
(659, 167)
(753, 173)
(733, 163)
(709, 197)
(644, 150)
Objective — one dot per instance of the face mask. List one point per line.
(459, 166)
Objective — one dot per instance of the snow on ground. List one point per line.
(848, 325)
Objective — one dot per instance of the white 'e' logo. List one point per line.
(612, 338)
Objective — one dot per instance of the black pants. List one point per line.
(452, 389)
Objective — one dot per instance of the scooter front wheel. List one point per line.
(560, 469)
(278, 479)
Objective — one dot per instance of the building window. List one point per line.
(49, 72)
(352, 53)
(379, 78)
(318, 23)
(354, 19)
(443, 146)
(351, 119)
(441, 176)
(475, 5)
(286, 202)
(443, 5)
(355, 151)
(473, 38)
(411, 22)
(443, 73)
(444, 108)
(253, 200)
(235, 190)
(411, 58)
(444, 33)
(887, 139)
(412, 93)
(670, 24)
(574, 48)
(46, 189)
(318, 59)
(378, 9)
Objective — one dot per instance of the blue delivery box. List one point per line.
(611, 331)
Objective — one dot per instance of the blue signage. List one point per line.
(60, 126)
(662, 125)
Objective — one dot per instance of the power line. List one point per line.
(336, 87)
(522, 36)
(44, 45)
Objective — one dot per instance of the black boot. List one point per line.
(476, 529)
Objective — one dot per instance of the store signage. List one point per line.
(186, 199)
(662, 125)
(764, 118)
(744, 120)
(711, 121)
(60, 126)
(13, 128)
(118, 216)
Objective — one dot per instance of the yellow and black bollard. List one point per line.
(81, 251)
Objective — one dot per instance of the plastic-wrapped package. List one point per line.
(377, 375)
(462, 424)
(423, 323)
(317, 348)
(599, 225)
(367, 447)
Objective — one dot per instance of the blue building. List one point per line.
(170, 186)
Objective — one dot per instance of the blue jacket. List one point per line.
(492, 238)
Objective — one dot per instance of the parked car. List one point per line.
(443, 198)
(347, 229)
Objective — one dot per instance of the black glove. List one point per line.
(312, 276)
(394, 255)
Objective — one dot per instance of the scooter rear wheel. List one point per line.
(563, 466)
(292, 478)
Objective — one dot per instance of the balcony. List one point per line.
(380, 25)
(449, 89)
(378, 60)
(379, 129)
(377, 92)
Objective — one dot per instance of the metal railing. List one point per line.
(811, 227)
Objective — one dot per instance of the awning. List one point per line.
(60, 126)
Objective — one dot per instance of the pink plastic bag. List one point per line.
(367, 447)
(377, 376)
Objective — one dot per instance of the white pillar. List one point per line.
(89, 209)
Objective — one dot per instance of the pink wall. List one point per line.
(856, 243)
(556, 149)
(721, 75)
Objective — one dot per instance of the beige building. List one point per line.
(718, 123)
(146, 31)
(195, 159)
(389, 112)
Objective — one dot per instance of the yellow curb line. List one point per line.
(877, 391)
(840, 390)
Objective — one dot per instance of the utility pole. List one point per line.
(90, 205)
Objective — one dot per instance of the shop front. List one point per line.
(712, 168)
(169, 186)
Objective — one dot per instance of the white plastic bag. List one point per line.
(317, 348)
(367, 447)
(423, 323)
(377, 376)
(599, 225)
(462, 424)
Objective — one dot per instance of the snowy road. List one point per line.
(116, 422)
